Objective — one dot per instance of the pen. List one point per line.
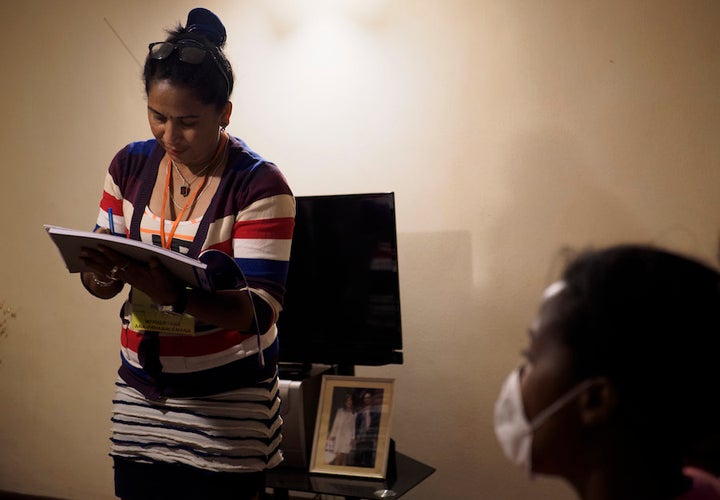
(112, 222)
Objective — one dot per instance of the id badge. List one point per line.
(145, 316)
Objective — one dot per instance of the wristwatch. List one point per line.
(178, 307)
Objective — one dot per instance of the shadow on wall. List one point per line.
(468, 296)
(549, 197)
(461, 337)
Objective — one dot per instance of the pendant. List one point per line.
(184, 190)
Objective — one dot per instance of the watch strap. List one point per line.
(178, 307)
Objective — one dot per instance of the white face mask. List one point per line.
(512, 428)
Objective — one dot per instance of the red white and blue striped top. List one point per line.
(250, 218)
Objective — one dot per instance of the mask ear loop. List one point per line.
(541, 417)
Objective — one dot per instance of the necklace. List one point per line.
(178, 205)
(186, 185)
(166, 239)
(185, 188)
(210, 180)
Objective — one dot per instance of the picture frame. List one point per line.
(352, 428)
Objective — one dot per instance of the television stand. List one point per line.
(403, 474)
(344, 369)
(300, 371)
(300, 390)
(294, 371)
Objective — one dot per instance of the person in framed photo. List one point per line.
(341, 438)
(367, 425)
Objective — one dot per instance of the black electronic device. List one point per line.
(342, 302)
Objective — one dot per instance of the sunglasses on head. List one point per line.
(188, 52)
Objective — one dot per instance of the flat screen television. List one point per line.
(342, 300)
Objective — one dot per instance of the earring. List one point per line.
(222, 127)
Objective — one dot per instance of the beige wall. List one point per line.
(507, 129)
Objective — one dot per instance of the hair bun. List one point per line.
(206, 23)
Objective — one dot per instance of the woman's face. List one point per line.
(187, 128)
(546, 376)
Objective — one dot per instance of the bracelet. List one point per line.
(103, 284)
(115, 269)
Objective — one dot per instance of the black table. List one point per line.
(404, 473)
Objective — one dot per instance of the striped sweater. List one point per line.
(250, 218)
(204, 400)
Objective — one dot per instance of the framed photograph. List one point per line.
(352, 429)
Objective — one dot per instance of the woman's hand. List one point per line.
(100, 281)
(230, 309)
(152, 278)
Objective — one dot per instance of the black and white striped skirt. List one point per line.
(236, 431)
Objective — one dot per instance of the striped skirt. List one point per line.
(236, 431)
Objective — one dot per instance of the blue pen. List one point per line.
(112, 222)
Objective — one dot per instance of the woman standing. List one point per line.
(195, 413)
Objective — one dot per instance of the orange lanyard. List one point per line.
(166, 241)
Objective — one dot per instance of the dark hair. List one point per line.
(205, 79)
(649, 320)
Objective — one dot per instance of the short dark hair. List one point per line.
(649, 320)
(205, 79)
